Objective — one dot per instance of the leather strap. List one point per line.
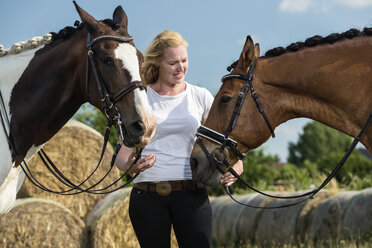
(175, 185)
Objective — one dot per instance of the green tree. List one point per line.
(325, 147)
(356, 165)
(315, 141)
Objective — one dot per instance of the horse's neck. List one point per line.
(330, 84)
(44, 98)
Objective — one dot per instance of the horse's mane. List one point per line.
(32, 43)
(50, 39)
(68, 31)
(312, 42)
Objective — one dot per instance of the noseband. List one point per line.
(224, 140)
(111, 112)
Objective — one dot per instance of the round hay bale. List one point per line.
(224, 219)
(41, 223)
(305, 217)
(217, 205)
(226, 215)
(109, 223)
(105, 204)
(358, 215)
(327, 218)
(75, 150)
(250, 217)
(277, 226)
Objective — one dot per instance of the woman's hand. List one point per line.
(126, 157)
(227, 178)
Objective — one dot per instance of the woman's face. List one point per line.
(173, 67)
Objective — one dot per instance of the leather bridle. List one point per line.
(109, 108)
(113, 116)
(225, 142)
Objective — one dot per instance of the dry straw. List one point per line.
(109, 223)
(283, 226)
(357, 220)
(327, 217)
(75, 150)
(41, 223)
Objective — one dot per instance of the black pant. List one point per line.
(189, 212)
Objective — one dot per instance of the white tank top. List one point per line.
(178, 118)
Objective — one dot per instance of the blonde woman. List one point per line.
(164, 193)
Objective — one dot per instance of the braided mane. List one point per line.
(50, 39)
(69, 31)
(312, 42)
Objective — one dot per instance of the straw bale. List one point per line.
(358, 215)
(226, 214)
(109, 223)
(277, 226)
(305, 217)
(75, 150)
(37, 222)
(217, 205)
(327, 218)
(250, 217)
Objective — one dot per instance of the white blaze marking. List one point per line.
(128, 55)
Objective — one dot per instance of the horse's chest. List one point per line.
(11, 69)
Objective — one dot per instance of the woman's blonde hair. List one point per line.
(155, 54)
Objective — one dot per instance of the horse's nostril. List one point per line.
(193, 163)
(137, 127)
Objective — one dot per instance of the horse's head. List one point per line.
(229, 130)
(113, 82)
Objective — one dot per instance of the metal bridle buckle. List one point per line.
(163, 188)
(219, 154)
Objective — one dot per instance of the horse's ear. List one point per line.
(120, 17)
(92, 24)
(257, 50)
(248, 53)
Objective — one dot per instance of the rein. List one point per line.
(218, 157)
(113, 116)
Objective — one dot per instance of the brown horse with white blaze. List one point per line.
(328, 82)
(42, 88)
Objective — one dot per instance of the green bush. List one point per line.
(356, 166)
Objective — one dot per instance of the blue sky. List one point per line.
(215, 29)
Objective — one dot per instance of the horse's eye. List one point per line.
(107, 60)
(225, 99)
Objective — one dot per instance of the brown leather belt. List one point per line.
(166, 187)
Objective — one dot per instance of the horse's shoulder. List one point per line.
(21, 46)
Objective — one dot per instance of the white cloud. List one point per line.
(295, 6)
(299, 6)
(354, 3)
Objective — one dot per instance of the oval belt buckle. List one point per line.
(163, 188)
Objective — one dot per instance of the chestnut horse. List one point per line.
(330, 82)
(41, 89)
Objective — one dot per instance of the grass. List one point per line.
(359, 242)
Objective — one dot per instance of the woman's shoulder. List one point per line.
(201, 96)
(198, 90)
